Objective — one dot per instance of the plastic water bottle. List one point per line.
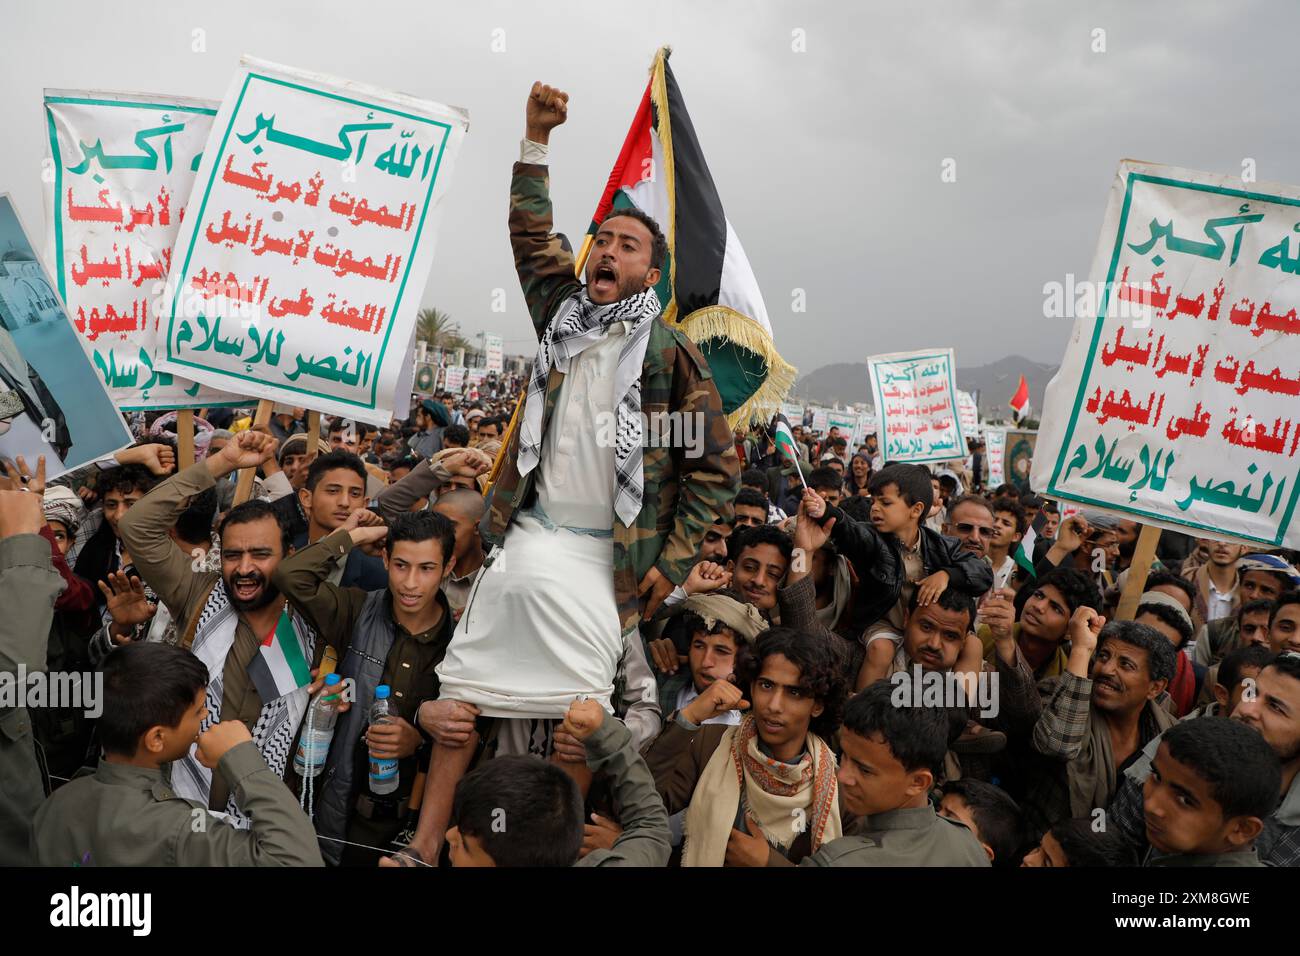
(383, 771)
(318, 730)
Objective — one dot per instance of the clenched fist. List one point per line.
(548, 107)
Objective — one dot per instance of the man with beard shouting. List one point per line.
(225, 616)
(594, 523)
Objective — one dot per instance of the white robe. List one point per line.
(542, 626)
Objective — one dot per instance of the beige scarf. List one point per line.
(785, 799)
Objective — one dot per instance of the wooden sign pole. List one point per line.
(1138, 570)
(244, 489)
(313, 435)
(184, 438)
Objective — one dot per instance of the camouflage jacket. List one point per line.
(683, 494)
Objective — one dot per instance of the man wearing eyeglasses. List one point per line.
(970, 521)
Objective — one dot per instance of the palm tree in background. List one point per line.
(437, 329)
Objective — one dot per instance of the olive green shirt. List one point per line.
(913, 837)
(645, 837)
(129, 816)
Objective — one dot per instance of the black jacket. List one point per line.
(878, 560)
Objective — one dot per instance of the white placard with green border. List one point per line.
(1178, 404)
(308, 240)
(916, 401)
(995, 447)
(119, 173)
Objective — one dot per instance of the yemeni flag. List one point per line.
(1024, 555)
(1020, 401)
(279, 666)
(708, 288)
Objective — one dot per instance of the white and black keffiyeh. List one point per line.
(277, 724)
(578, 324)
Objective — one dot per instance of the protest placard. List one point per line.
(821, 420)
(969, 416)
(916, 401)
(1176, 401)
(847, 423)
(995, 448)
(308, 239)
(121, 169)
(52, 402)
(494, 353)
(454, 378)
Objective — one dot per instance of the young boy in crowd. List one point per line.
(894, 556)
(761, 792)
(891, 758)
(543, 806)
(1229, 678)
(1213, 782)
(128, 815)
(719, 630)
(1075, 843)
(989, 813)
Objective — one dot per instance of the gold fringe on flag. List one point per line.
(721, 322)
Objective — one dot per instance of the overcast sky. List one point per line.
(828, 161)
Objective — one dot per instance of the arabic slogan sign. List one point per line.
(1178, 403)
(122, 166)
(455, 378)
(308, 240)
(916, 401)
(995, 445)
(968, 415)
(494, 353)
(51, 401)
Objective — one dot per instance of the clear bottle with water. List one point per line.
(318, 730)
(383, 770)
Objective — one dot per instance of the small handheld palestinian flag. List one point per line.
(279, 666)
(784, 438)
(1024, 555)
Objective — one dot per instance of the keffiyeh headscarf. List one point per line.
(578, 324)
(784, 799)
(62, 505)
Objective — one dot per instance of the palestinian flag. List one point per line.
(784, 438)
(707, 286)
(1020, 401)
(279, 666)
(1024, 555)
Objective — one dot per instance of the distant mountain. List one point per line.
(846, 382)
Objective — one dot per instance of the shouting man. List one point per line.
(590, 533)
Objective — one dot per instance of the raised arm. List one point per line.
(645, 838)
(280, 834)
(545, 267)
(301, 577)
(1063, 724)
(427, 478)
